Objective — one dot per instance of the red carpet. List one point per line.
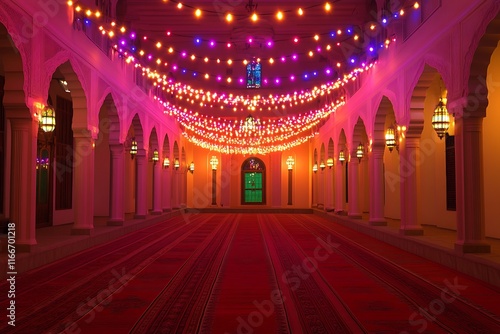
(250, 273)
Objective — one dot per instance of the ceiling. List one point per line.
(179, 28)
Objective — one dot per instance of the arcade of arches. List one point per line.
(83, 171)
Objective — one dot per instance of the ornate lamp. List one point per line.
(329, 162)
(394, 135)
(48, 119)
(133, 148)
(360, 151)
(315, 167)
(322, 165)
(341, 156)
(166, 163)
(176, 163)
(156, 156)
(214, 162)
(191, 167)
(290, 162)
(441, 119)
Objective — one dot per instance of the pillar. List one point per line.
(329, 204)
(339, 187)
(117, 187)
(83, 182)
(354, 211)
(276, 162)
(23, 179)
(469, 185)
(377, 185)
(167, 189)
(141, 161)
(157, 185)
(408, 169)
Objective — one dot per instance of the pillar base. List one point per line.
(472, 247)
(329, 209)
(156, 213)
(415, 231)
(82, 231)
(136, 216)
(115, 222)
(354, 215)
(377, 222)
(341, 213)
(167, 210)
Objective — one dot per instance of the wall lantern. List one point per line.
(329, 162)
(290, 162)
(315, 167)
(176, 163)
(166, 163)
(441, 119)
(191, 167)
(322, 165)
(156, 156)
(360, 151)
(341, 156)
(214, 162)
(48, 119)
(133, 148)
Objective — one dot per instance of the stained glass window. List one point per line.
(254, 74)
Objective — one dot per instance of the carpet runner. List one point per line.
(250, 273)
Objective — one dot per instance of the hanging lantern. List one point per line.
(156, 156)
(329, 162)
(390, 138)
(441, 119)
(315, 167)
(360, 151)
(341, 156)
(48, 119)
(133, 148)
(166, 163)
(322, 165)
(176, 164)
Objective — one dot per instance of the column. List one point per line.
(275, 179)
(321, 187)
(157, 185)
(83, 181)
(469, 185)
(23, 180)
(214, 187)
(226, 173)
(141, 207)
(167, 189)
(408, 169)
(175, 189)
(117, 187)
(339, 187)
(330, 204)
(354, 211)
(377, 217)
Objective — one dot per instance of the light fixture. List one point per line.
(290, 162)
(191, 167)
(176, 163)
(166, 163)
(322, 165)
(315, 167)
(133, 148)
(394, 135)
(341, 156)
(329, 162)
(156, 156)
(214, 162)
(360, 151)
(441, 119)
(48, 119)
(64, 85)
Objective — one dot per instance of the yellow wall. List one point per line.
(229, 174)
(491, 148)
(432, 184)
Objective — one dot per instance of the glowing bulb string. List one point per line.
(198, 12)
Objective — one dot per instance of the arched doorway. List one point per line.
(253, 182)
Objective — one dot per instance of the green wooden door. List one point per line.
(253, 188)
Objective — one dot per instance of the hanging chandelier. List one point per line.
(441, 119)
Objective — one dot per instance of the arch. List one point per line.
(153, 141)
(322, 153)
(331, 149)
(176, 150)
(477, 59)
(112, 119)
(12, 68)
(417, 100)
(137, 131)
(166, 147)
(253, 181)
(385, 108)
